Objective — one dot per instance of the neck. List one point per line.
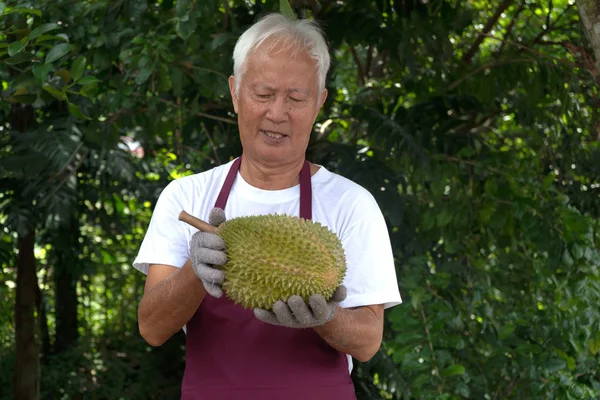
(270, 177)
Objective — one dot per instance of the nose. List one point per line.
(278, 109)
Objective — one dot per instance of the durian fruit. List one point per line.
(271, 257)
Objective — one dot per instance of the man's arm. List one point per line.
(355, 331)
(171, 297)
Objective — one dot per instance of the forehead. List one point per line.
(281, 66)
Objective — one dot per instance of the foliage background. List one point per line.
(474, 123)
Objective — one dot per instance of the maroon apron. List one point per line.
(231, 355)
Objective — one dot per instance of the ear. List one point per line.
(322, 99)
(232, 92)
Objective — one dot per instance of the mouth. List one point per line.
(273, 134)
(273, 138)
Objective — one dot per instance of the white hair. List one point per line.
(299, 34)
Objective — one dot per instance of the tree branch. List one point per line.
(539, 53)
(369, 60)
(486, 29)
(433, 357)
(589, 11)
(361, 70)
(550, 26)
(511, 25)
(486, 66)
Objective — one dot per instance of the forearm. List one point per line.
(357, 332)
(169, 305)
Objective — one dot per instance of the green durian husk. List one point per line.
(271, 257)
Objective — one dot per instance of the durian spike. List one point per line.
(197, 222)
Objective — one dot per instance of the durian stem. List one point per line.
(196, 222)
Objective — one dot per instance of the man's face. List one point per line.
(277, 105)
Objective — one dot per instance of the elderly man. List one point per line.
(298, 351)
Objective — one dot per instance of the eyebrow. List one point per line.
(272, 89)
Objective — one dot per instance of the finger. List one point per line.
(265, 316)
(284, 314)
(340, 294)
(213, 290)
(208, 240)
(210, 256)
(300, 310)
(319, 307)
(216, 217)
(209, 274)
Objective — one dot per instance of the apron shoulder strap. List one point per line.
(224, 194)
(305, 188)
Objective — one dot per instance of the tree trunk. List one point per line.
(65, 284)
(27, 363)
(589, 12)
(43, 322)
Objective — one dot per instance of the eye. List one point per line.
(263, 96)
(296, 100)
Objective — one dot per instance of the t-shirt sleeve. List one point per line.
(371, 273)
(166, 240)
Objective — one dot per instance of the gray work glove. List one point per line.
(207, 250)
(295, 313)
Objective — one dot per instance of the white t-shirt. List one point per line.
(346, 208)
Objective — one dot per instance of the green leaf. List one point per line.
(463, 390)
(40, 71)
(555, 365)
(89, 90)
(26, 11)
(487, 211)
(58, 51)
(17, 47)
(506, 331)
(185, 29)
(412, 363)
(286, 9)
(417, 297)
(76, 112)
(40, 30)
(577, 251)
(144, 74)
(59, 94)
(444, 218)
(571, 363)
(594, 344)
(77, 68)
(567, 259)
(219, 40)
(455, 369)
(19, 58)
(2, 7)
(548, 180)
(46, 38)
(88, 79)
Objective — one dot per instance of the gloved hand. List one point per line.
(295, 313)
(208, 250)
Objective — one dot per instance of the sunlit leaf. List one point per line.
(58, 52)
(17, 47)
(455, 369)
(42, 29)
(286, 9)
(76, 112)
(78, 68)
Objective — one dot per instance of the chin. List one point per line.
(274, 156)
